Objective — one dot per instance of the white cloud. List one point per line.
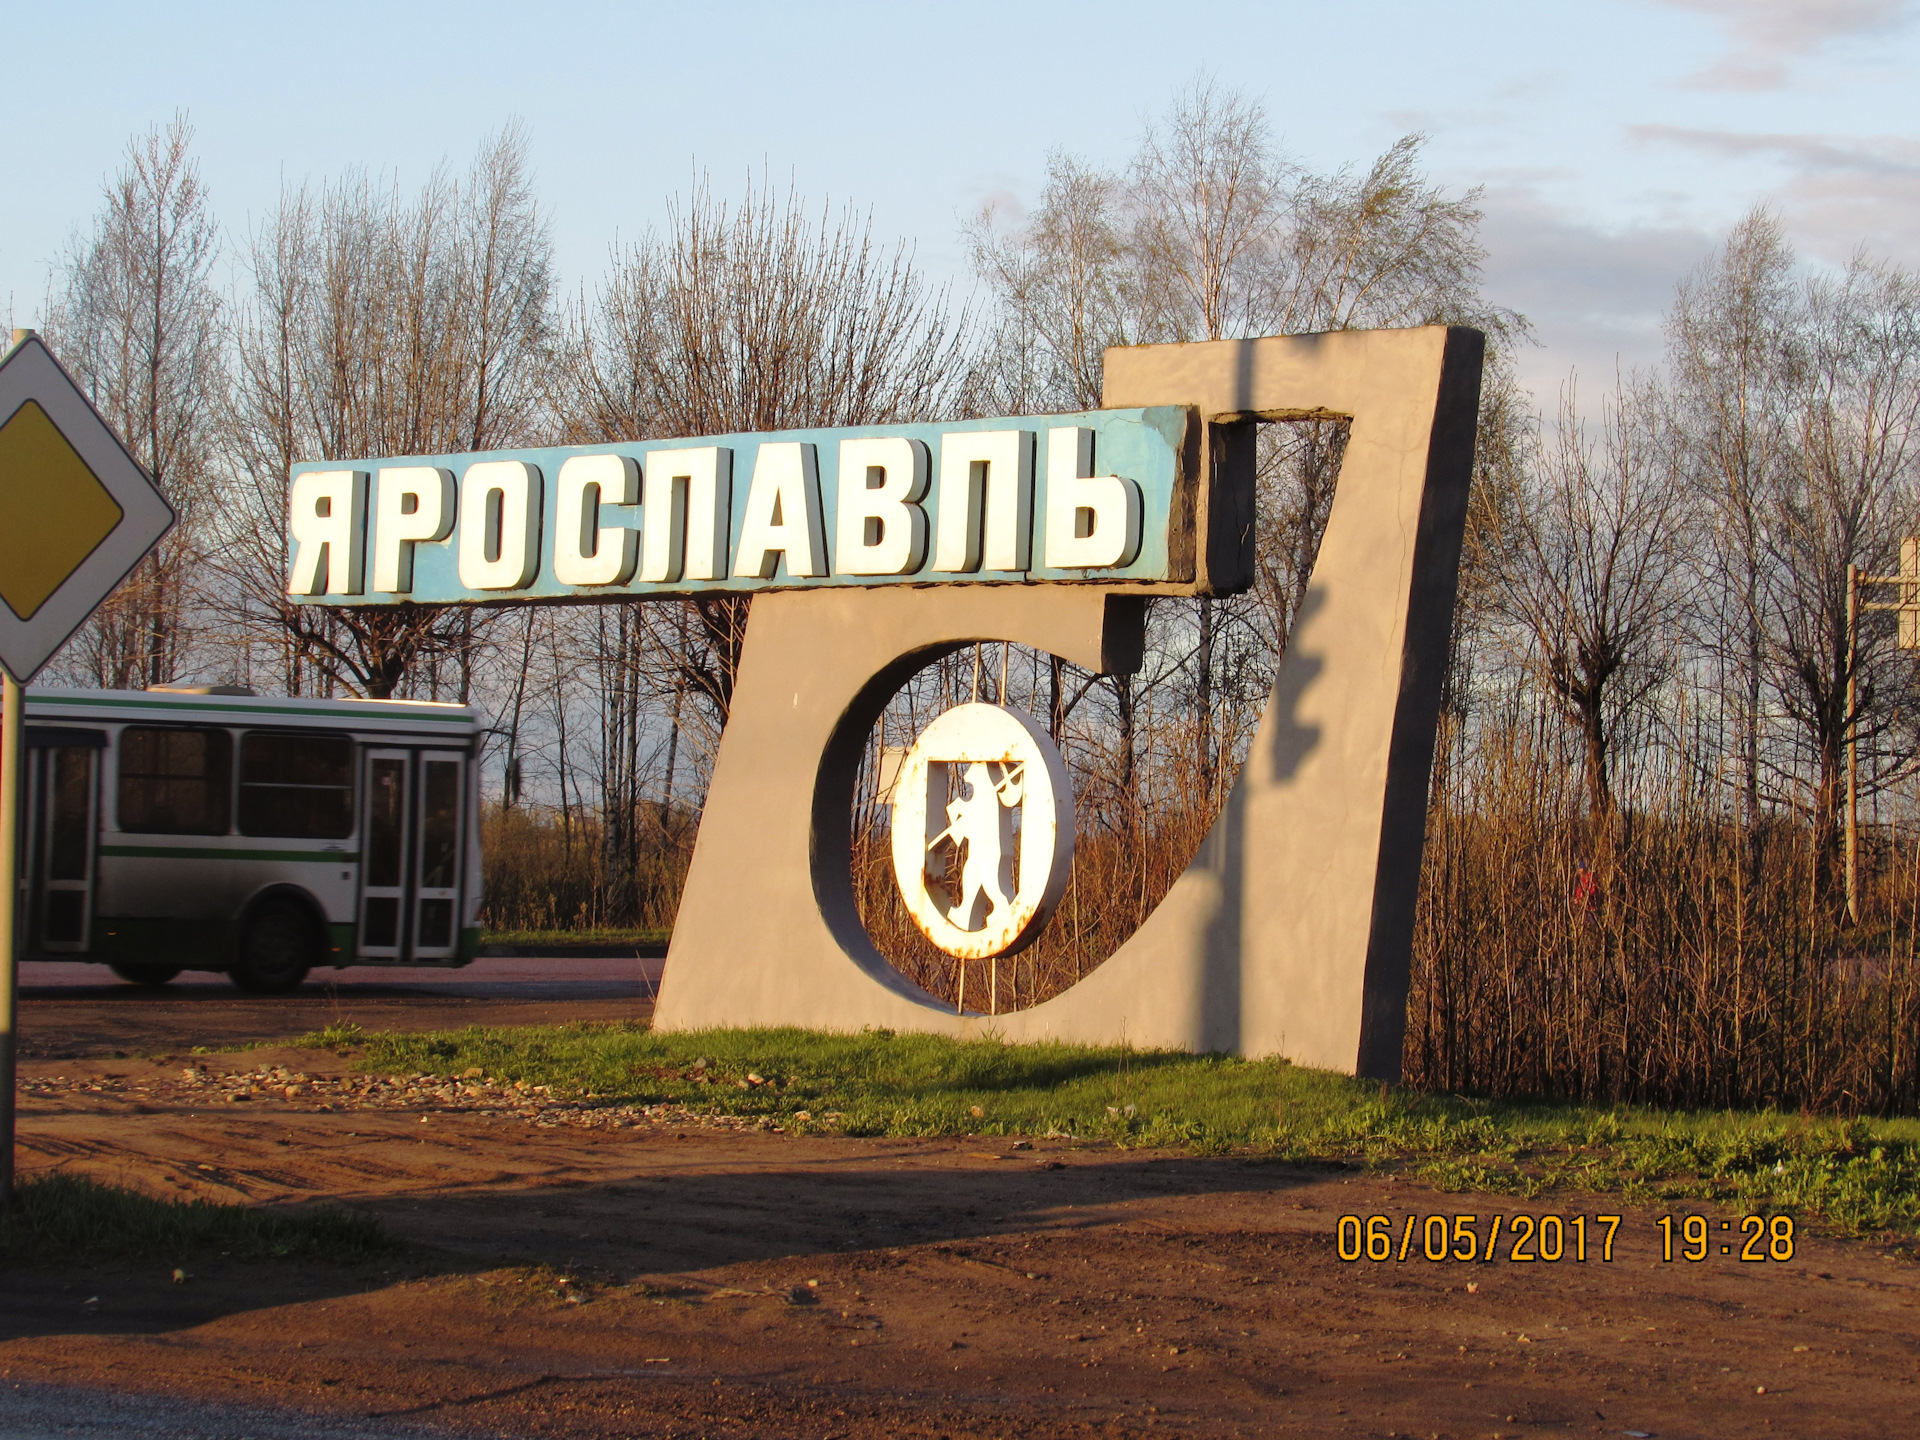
(1595, 294)
(1766, 37)
(1840, 192)
(1003, 198)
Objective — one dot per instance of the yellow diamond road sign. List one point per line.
(57, 512)
(76, 512)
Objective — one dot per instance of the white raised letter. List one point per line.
(880, 528)
(499, 525)
(1093, 521)
(990, 470)
(327, 521)
(783, 514)
(689, 510)
(411, 503)
(585, 552)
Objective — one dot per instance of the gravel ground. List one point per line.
(472, 1093)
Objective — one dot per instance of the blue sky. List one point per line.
(1615, 140)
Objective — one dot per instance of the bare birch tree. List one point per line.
(1208, 201)
(1731, 335)
(1847, 499)
(137, 320)
(735, 319)
(380, 326)
(1066, 290)
(1593, 584)
(757, 317)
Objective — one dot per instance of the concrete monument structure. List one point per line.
(1291, 932)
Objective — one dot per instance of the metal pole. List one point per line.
(1853, 750)
(12, 723)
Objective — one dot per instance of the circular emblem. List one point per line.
(982, 830)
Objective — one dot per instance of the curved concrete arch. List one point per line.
(1291, 932)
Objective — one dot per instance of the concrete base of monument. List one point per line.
(1291, 932)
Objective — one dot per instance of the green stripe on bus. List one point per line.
(182, 852)
(44, 702)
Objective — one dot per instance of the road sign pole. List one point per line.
(12, 723)
(77, 513)
(10, 727)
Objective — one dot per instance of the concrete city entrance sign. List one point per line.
(1063, 497)
(76, 512)
(883, 549)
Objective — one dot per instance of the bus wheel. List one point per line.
(152, 976)
(277, 948)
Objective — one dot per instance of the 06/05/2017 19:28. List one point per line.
(1550, 1238)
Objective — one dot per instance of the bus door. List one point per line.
(383, 854)
(411, 862)
(63, 823)
(436, 894)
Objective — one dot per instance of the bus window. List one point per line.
(439, 850)
(175, 781)
(440, 825)
(69, 828)
(296, 787)
(71, 807)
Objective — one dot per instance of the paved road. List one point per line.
(525, 977)
(72, 1010)
(54, 1412)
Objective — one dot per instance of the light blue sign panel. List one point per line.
(463, 527)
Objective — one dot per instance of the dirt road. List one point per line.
(674, 1279)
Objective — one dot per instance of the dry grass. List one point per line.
(546, 871)
(1669, 955)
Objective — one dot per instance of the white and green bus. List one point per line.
(208, 828)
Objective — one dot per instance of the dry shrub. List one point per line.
(1668, 954)
(546, 869)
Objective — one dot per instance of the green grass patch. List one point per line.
(58, 1218)
(340, 1035)
(1859, 1176)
